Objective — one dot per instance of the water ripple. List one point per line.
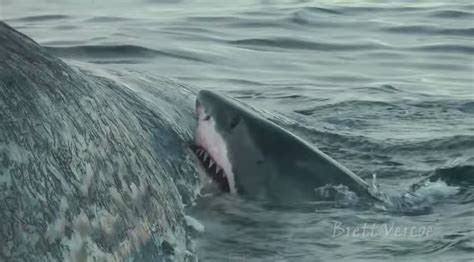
(289, 43)
(114, 52)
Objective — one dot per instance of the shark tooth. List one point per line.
(218, 168)
(206, 155)
(211, 162)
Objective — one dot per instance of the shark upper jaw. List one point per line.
(211, 150)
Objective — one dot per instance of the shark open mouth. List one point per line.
(215, 171)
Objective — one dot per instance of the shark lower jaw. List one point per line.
(213, 169)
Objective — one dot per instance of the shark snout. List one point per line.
(200, 110)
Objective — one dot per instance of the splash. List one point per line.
(418, 202)
(340, 194)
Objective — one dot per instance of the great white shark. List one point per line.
(248, 154)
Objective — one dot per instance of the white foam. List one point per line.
(436, 189)
(194, 224)
(420, 201)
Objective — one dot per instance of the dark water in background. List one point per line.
(385, 89)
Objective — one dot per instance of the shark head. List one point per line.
(217, 118)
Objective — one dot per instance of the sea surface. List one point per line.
(384, 87)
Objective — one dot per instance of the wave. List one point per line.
(444, 105)
(378, 9)
(451, 14)
(106, 19)
(460, 175)
(444, 48)
(455, 182)
(38, 18)
(289, 43)
(457, 143)
(430, 30)
(104, 51)
(419, 202)
(114, 52)
(353, 104)
(405, 110)
(298, 44)
(467, 107)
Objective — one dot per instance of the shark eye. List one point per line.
(235, 121)
(207, 117)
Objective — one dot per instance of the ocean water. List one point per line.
(384, 87)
